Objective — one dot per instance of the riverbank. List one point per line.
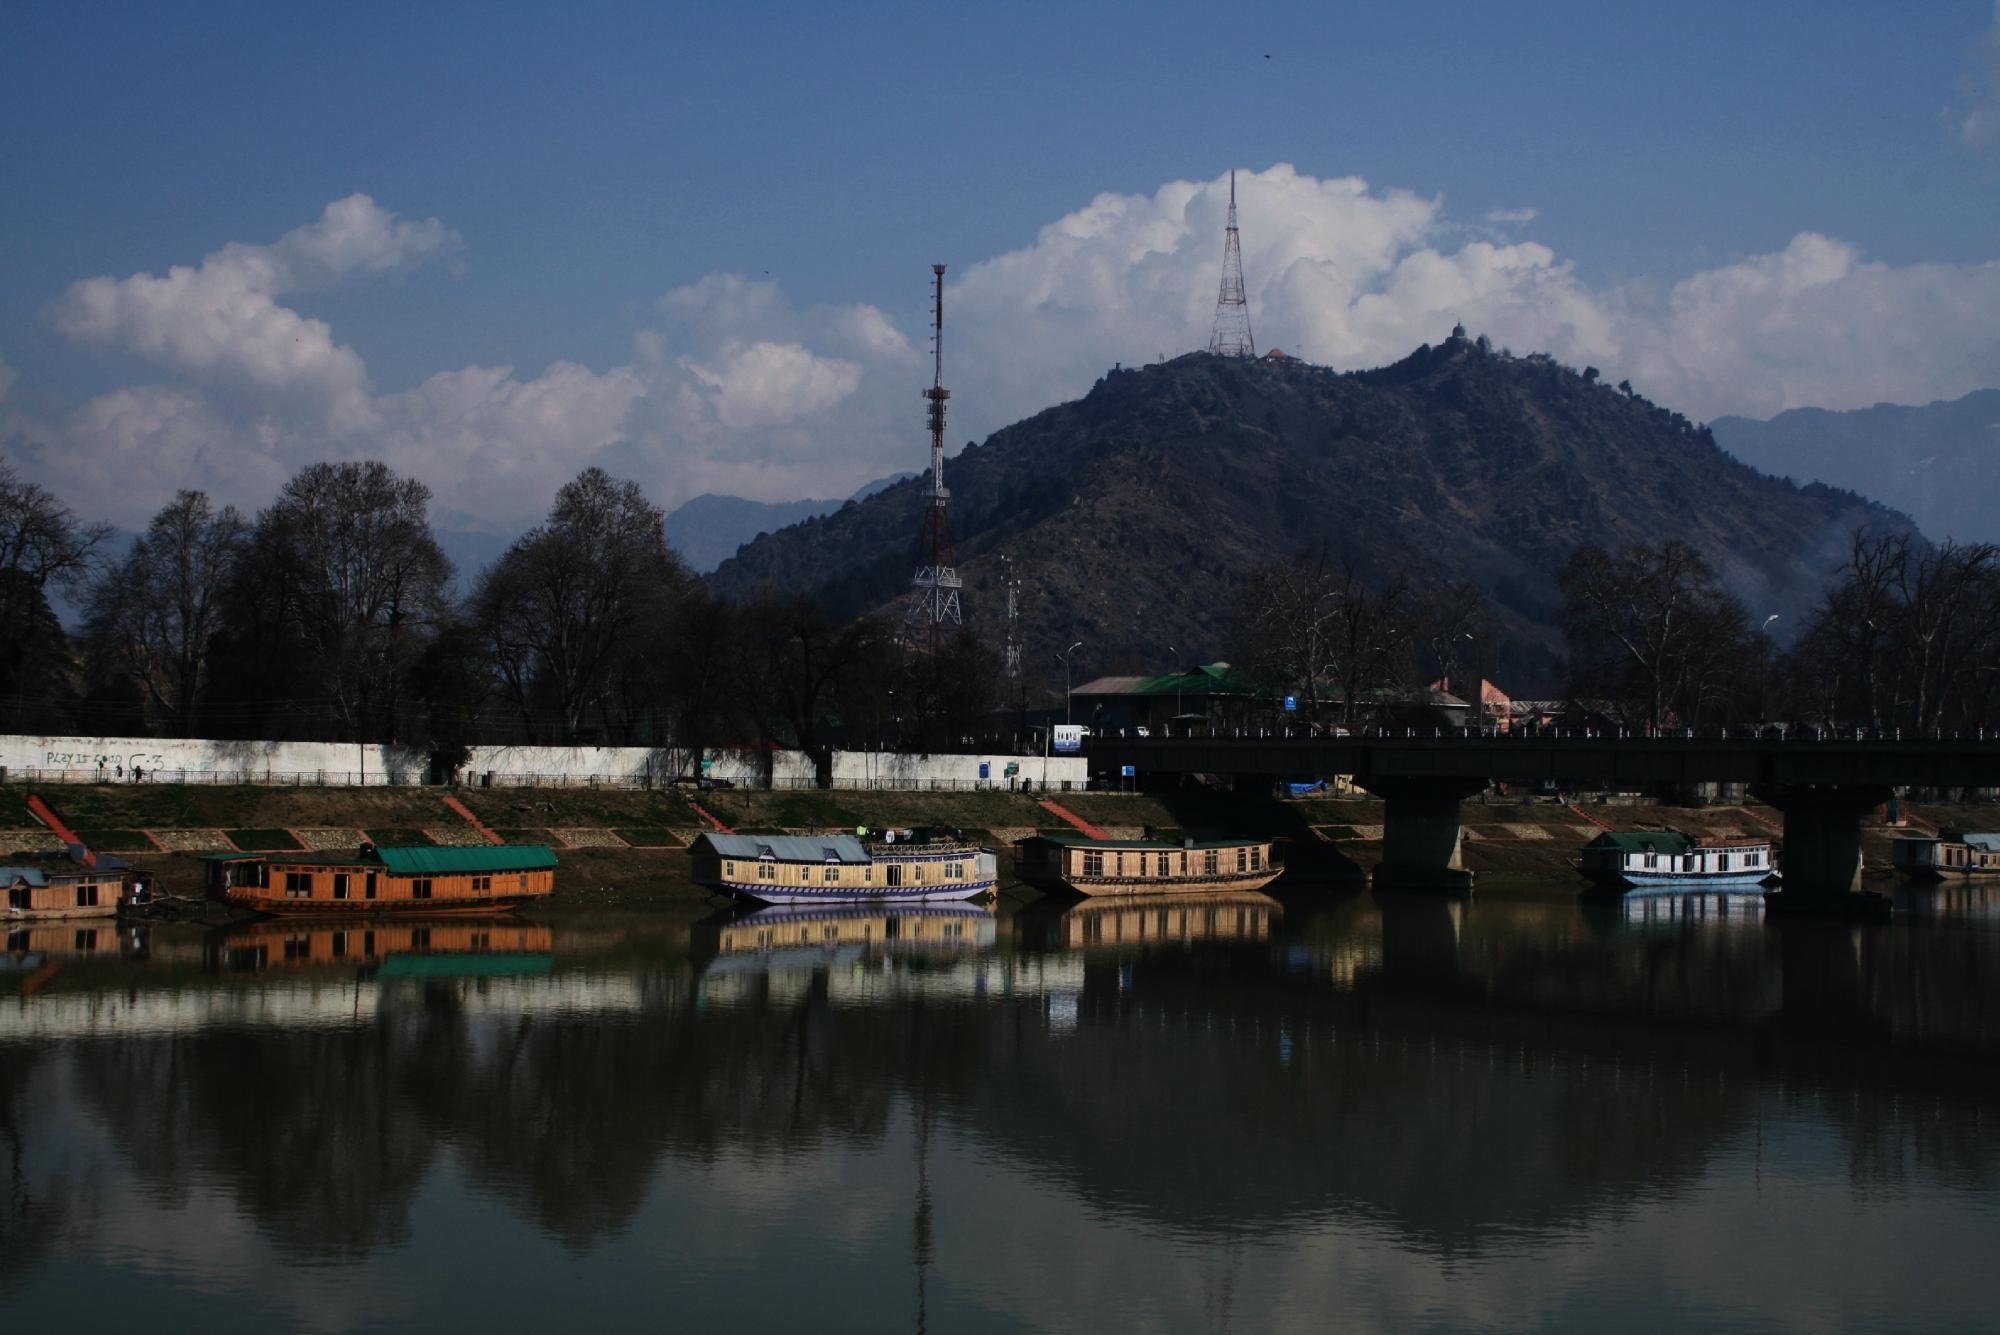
(627, 848)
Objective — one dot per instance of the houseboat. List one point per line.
(1087, 866)
(1948, 853)
(1644, 859)
(835, 868)
(64, 891)
(371, 880)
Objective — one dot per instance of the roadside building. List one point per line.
(1210, 698)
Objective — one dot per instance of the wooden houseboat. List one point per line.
(1642, 859)
(836, 868)
(1148, 920)
(371, 880)
(457, 945)
(1087, 866)
(1948, 853)
(63, 891)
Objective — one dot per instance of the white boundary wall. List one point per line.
(176, 760)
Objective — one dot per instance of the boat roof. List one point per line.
(442, 860)
(1988, 842)
(843, 848)
(1642, 841)
(1085, 841)
(33, 876)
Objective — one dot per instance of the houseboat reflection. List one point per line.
(1169, 919)
(813, 933)
(401, 946)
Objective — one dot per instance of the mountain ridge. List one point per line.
(1132, 512)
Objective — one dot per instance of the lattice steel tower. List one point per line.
(1012, 660)
(1232, 309)
(934, 603)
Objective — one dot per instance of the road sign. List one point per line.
(1127, 771)
(1291, 704)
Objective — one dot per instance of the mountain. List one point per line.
(1940, 462)
(708, 529)
(1132, 513)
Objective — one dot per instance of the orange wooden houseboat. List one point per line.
(62, 892)
(485, 879)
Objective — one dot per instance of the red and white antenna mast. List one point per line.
(935, 601)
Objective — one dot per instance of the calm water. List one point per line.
(1240, 1116)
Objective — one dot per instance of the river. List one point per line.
(1327, 1110)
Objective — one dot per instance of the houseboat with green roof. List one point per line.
(1668, 859)
(1087, 866)
(372, 880)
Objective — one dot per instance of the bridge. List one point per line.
(1824, 786)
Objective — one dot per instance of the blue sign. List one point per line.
(1291, 704)
(985, 770)
(1127, 771)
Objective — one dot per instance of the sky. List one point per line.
(494, 244)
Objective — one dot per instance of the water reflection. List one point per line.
(1454, 1076)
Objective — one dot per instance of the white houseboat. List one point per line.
(836, 868)
(1947, 853)
(1648, 858)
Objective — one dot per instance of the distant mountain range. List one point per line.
(1132, 514)
(708, 529)
(1940, 462)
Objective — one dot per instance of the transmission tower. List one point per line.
(935, 600)
(1013, 585)
(1232, 309)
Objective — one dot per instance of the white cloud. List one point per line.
(1979, 117)
(732, 388)
(221, 319)
(1511, 217)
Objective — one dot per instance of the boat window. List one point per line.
(368, 889)
(1242, 859)
(1724, 864)
(1652, 859)
(298, 884)
(767, 871)
(340, 885)
(420, 888)
(1093, 862)
(86, 896)
(832, 873)
(1209, 862)
(482, 885)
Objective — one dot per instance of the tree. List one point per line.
(43, 546)
(337, 594)
(1320, 631)
(797, 664)
(565, 610)
(153, 615)
(1650, 627)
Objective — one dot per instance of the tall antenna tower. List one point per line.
(935, 602)
(1013, 583)
(1232, 309)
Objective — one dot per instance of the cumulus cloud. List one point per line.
(730, 387)
(1979, 117)
(221, 318)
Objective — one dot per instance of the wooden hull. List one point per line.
(285, 906)
(763, 893)
(109, 910)
(1153, 887)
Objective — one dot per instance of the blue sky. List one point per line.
(581, 163)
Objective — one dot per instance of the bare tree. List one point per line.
(1321, 632)
(343, 577)
(43, 546)
(154, 614)
(1650, 625)
(565, 610)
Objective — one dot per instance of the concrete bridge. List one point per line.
(1824, 787)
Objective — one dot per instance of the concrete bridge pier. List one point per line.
(1822, 860)
(1421, 836)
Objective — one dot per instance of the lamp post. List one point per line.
(1177, 681)
(1065, 656)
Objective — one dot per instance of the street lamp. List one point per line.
(1065, 656)
(1177, 681)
